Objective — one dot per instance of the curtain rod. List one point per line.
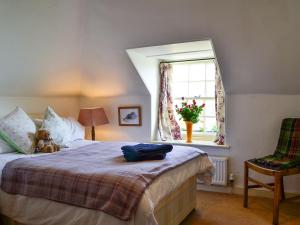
(188, 60)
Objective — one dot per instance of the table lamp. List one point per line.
(91, 117)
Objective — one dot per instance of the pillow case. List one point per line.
(38, 123)
(75, 129)
(56, 126)
(5, 148)
(18, 130)
(62, 130)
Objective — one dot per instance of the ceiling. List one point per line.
(39, 48)
(179, 51)
(78, 47)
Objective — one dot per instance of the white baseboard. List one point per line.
(239, 191)
(215, 188)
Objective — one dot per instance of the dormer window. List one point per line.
(191, 70)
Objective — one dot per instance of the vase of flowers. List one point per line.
(190, 114)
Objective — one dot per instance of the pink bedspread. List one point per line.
(95, 176)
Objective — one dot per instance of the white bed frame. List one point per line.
(176, 206)
(171, 210)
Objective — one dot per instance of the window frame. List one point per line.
(201, 136)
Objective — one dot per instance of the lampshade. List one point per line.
(90, 117)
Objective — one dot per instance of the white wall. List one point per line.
(253, 123)
(148, 69)
(114, 132)
(65, 106)
(253, 126)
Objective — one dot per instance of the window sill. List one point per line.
(194, 144)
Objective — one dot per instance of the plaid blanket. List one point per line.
(94, 176)
(287, 153)
(289, 139)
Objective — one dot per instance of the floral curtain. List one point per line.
(220, 108)
(167, 124)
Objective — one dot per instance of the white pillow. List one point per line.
(5, 148)
(38, 123)
(62, 130)
(56, 126)
(75, 129)
(18, 131)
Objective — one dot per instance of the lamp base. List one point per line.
(93, 133)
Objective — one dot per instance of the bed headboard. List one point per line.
(36, 115)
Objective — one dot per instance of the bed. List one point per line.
(164, 206)
(167, 200)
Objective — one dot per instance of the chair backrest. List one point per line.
(289, 139)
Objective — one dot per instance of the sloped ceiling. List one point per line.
(85, 42)
(39, 47)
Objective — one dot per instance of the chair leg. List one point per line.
(246, 174)
(282, 190)
(277, 196)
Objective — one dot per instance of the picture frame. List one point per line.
(130, 116)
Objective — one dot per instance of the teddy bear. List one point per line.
(43, 142)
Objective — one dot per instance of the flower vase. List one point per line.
(189, 131)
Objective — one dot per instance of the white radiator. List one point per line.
(220, 177)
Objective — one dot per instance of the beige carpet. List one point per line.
(226, 209)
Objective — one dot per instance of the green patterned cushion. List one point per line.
(276, 163)
(18, 130)
(10, 142)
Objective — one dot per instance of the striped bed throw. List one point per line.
(95, 176)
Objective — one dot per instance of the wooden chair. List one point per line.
(284, 162)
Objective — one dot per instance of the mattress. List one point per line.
(36, 211)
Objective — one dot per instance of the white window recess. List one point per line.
(146, 61)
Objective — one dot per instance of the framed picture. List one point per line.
(130, 116)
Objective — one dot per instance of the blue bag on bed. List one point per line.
(141, 152)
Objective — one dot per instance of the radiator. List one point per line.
(220, 177)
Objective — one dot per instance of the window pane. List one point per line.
(197, 72)
(177, 102)
(199, 101)
(180, 72)
(180, 89)
(199, 127)
(210, 71)
(197, 89)
(181, 123)
(196, 80)
(210, 124)
(210, 108)
(196, 127)
(210, 89)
